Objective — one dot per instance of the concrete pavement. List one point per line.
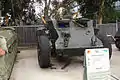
(27, 68)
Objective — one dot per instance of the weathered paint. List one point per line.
(9, 43)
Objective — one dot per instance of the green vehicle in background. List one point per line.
(8, 51)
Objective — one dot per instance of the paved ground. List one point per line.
(26, 68)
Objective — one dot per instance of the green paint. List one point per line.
(7, 61)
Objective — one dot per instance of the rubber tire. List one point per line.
(106, 43)
(44, 52)
(117, 43)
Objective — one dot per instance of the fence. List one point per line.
(27, 34)
(108, 29)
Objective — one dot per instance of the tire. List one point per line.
(117, 43)
(106, 43)
(43, 52)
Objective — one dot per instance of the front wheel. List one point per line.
(106, 43)
(44, 51)
(117, 43)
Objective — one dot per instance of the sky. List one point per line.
(117, 3)
(39, 7)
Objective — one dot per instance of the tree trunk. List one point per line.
(0, 9)
(0, 13)
(13, 12)
(101, 11)
(100, 18)
(47, 5)
(45, 10)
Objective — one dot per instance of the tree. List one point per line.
(101, 8)
(101, 11)
(46, 4)
(18, 9)
(49, 11)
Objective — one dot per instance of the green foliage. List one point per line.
(18, 6)
(16, 9)
(91, 7)
(6, 7)
(112, 17)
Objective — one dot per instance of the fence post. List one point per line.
(116, 25)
